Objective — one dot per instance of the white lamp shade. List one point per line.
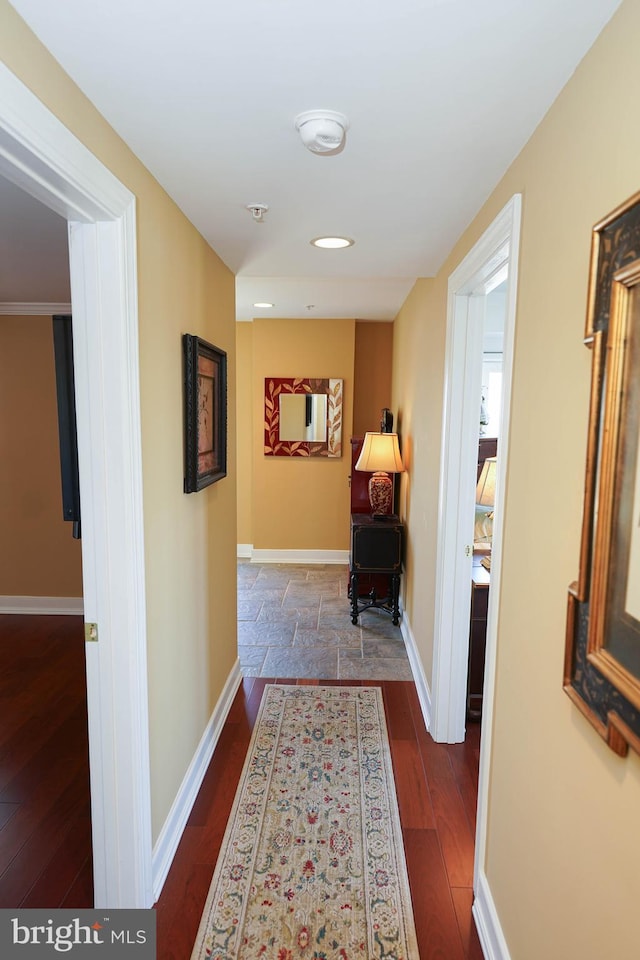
(380, 451)
(486, 489)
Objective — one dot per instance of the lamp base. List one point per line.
(380, 493)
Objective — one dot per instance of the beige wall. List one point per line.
(563, 837)
(189, 540)
(39, 557)
(418, 363)
(244, 412)
(372, 375)
(293, 345)
(301, 504)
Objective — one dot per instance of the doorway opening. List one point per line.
(44, 788)
(491, 262)
(42, 157)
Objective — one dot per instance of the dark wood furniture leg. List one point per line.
(395, 595)
(354, 597)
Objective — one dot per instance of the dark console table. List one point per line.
(376, 548)
(480, 583)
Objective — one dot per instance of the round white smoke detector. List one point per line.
(322, 131)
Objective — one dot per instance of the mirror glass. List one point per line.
(303, 416)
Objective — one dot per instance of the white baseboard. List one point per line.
(300, 556)
(73, 606)
(494, 945)
(244, 551)
(169, 838)
(420, 679)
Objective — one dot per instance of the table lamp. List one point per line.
(380, 456)
(486, 488)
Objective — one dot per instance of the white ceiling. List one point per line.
(441, 96)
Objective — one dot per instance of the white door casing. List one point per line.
(40, 155)
(494, 256)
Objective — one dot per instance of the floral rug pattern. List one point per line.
(312, 863)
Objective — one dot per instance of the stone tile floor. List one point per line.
(294, 621)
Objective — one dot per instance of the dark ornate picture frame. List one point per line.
(205, 413)
(602, 659)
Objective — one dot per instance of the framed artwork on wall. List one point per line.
(205, 413)
(602, 662)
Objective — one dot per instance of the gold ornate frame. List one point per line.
(602, 661)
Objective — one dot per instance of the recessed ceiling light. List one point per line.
(264, 306)
(332, 243)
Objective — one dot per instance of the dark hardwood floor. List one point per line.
(436, 786)
(45, 820)
(45, 827)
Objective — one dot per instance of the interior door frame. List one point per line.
(495, 255)
(493, 258)
(41, 156)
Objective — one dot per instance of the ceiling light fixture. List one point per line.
(332, 243)
(322, 131)
(264, 306)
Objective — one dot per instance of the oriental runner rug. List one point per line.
(312, 863)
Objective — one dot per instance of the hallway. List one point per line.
(44, 836)
(295, 619)
(437, 795)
